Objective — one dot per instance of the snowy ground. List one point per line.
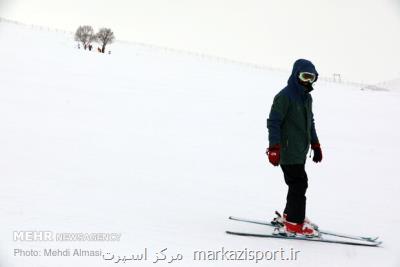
(163, 147)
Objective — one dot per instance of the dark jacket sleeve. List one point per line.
(314, 136)
(276, 116)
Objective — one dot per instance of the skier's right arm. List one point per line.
(276, 116)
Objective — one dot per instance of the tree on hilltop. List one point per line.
(105, 36)
(85, 35)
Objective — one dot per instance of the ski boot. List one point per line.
(286, 228)
(296, 229)
(279, 220)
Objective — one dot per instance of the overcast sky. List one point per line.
(358, 38)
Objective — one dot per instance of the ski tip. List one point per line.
(373, 243)
(371, 239)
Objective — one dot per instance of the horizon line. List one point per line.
(202, 55)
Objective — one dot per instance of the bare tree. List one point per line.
(105, 36)
(85, 35)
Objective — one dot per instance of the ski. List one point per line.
(354, 237)
(315, 239)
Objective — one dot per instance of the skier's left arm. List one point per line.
(314, 136)
(315, 145)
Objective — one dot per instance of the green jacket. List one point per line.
(291, 120)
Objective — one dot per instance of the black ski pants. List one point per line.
(297, 181)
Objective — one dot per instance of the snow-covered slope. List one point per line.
(163, 147)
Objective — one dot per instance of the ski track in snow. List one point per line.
(163, 147)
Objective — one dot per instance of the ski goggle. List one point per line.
(307, 77)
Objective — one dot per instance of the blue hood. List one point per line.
(301, 65)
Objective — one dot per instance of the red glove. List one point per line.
(317, 152)
(274, 154)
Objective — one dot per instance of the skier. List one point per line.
(291, 130)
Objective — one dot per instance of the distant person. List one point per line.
(291, 131)
(85, 46)
(90, 47)
(99, 49)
